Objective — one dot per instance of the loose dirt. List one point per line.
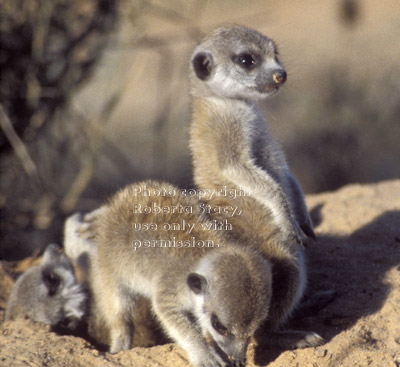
(356, 256)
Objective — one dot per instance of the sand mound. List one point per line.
(357, 256)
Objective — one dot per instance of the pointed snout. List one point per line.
(235, 362)
(279, 76)
(271, 79)
(236, 353)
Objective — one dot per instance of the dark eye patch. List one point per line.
(52, 281)
(218, 326)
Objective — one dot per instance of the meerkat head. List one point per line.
(236, 62)
(56, 270)
(232, 296)
(62, 297)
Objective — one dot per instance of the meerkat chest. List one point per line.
(221, 128)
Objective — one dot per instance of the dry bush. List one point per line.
(49, 149)
(48, 49)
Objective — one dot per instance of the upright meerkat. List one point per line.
(231, 68)
(233, 151)
(48, 292)
(209, 295)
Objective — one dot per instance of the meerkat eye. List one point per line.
(216, 324)
(246, 61)
(52, 282)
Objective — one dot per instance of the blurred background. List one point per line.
(94, 95)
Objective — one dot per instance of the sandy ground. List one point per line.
(357, 255)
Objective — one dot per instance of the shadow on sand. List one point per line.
(354, 267)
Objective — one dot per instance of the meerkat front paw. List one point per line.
(292, 234)
(120, 342)
(291, 339)
(85, 229)
(300, 236)
(77, 237)
(307, 227)
(309, 339)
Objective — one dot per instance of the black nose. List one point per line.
(279, 76)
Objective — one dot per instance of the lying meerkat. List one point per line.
(232, 150)
(48, 292)
(208, 294)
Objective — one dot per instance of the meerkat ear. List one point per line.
(197, 283)
(51, 253)
(203, 64)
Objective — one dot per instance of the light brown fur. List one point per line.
(232, 149)
(190, 288)
(79, 246)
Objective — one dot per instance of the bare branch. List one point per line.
(20, 149)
